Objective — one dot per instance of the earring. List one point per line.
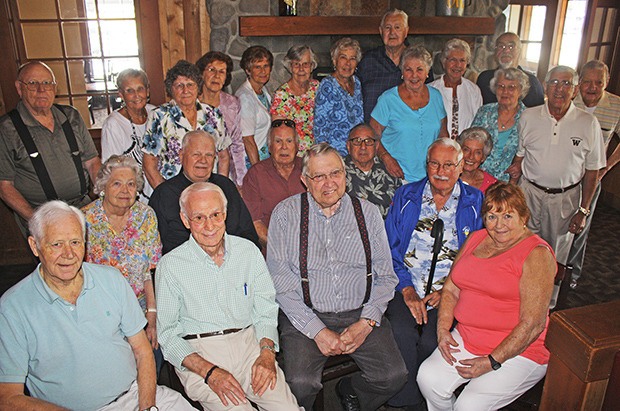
(401, 77)
(102, 193)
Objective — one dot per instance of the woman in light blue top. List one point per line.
(409, 118)
(500, 119)
(338, 103)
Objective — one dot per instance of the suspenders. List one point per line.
(303, 247)
(37, 160)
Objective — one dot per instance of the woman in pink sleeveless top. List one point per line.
(498, 293)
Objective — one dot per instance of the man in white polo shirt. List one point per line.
(560, 152)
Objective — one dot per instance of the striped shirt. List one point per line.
(195, 296)
(336, 262)
(607, 112)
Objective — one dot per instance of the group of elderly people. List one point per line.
(383, 240)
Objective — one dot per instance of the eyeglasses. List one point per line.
(34, 85)
(213, 71)
(201, 219)
(509, 87)
(560, 83)
(358, 141)
(305, 64)
(319, 178)
(435, 165)
(277, 123)
(190, 86)
(502, 46)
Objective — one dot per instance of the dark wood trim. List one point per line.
(8, 64)
(549, 31)
(149, 42)
(351, 25)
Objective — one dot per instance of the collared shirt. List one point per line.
(558, 153)
(135, 251)
(255, 118)
(378, 73)
(73, 355)
(376, 186)
(504, 149)
(264, 188)
(535, 96)
(336, 262)
(231, 110)
(607, 112)
(299, 109)
(165, 202)
(420, 251)
(166, 127)
(336, 112)
(196, 296)
(468, 96)
(16, 166)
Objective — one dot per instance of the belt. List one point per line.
(213, 334)
(554, 190)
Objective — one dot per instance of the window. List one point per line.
(528, 22)
(85, 42)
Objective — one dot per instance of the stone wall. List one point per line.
(225, 31)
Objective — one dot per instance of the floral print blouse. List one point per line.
(298, 108)
(166, 127)
(336, 113)
(134, 252)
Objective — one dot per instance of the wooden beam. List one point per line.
(351, 25)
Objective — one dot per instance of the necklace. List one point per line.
(504, 124)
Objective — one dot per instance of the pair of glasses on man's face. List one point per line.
(34, 85)
(560, 83)
(358, 141)
(280, 122)
(448, 167)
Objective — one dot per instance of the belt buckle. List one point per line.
(220, 332)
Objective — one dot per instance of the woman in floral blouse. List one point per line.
(294, 100)
(122, 232)
(339, 104)
(168, 124)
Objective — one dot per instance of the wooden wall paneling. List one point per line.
(172, 32)
(150, 42)
(191, 22)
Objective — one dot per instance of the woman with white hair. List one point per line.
(122, 232)
(338, 104)
(500, 119)
(476, 144)
(461, 97)
(294, 100)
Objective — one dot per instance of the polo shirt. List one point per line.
(76, 356)
(557, 153)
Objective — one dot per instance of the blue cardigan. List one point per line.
(404, 215)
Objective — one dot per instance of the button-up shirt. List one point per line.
(336, 262)
(607, 112)
(196, 296)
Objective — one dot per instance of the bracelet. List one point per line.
(268, 347)
(584, 211)
(215, 367)
(151, 310)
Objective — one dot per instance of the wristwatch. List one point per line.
(371, 323)
(152, 408)
(584, 211)
(494, 364)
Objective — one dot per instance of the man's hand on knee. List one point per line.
(354, 335)
(264, 374)
(226, 387)
(329, 342)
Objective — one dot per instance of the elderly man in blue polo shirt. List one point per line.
(217, 321)
(73, 331)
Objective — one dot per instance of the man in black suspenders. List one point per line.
(330, 262)
(46, 151)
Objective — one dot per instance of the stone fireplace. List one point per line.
(225, 30)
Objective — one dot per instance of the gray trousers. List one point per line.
(383, 371)
(578, 250)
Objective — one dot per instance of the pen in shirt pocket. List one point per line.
(245, 288)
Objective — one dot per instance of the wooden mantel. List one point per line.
(351, 25)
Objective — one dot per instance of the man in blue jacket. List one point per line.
(413, 213)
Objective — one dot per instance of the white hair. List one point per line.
(50, 213)
(200, 187)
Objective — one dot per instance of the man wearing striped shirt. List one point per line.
(217, 319)
(334, 296)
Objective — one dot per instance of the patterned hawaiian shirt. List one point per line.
(298, 108)
(166, 127)
(420, 252)
(134, 252)
(376, 186)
